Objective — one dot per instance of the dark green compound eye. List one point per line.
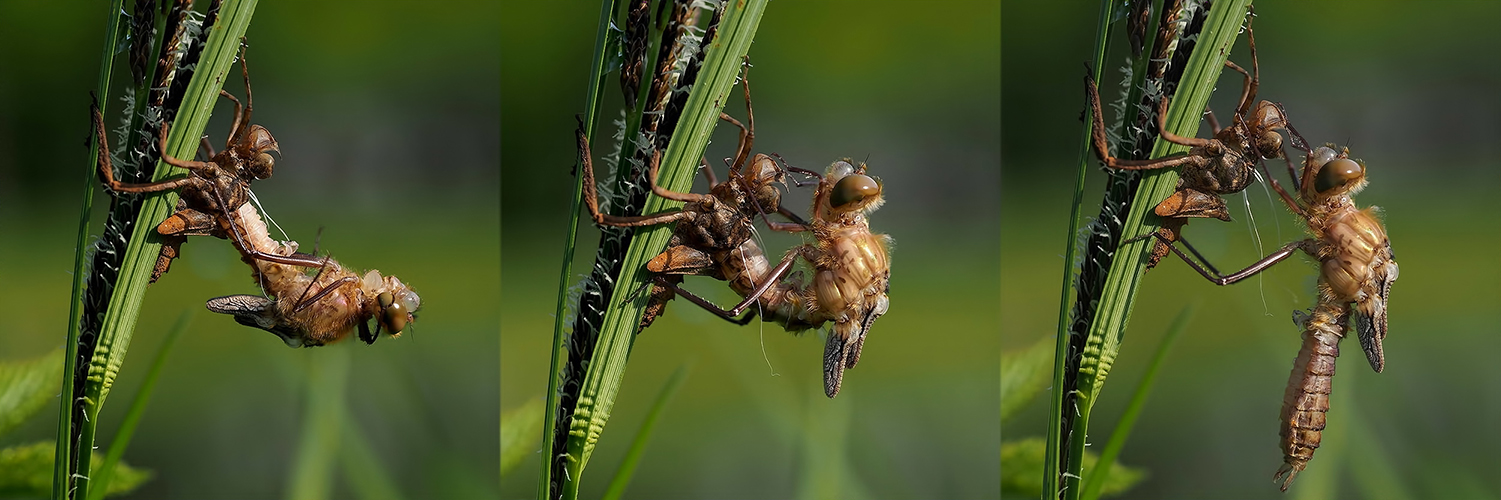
(1337, 173)
(393, 315)
(853, 188)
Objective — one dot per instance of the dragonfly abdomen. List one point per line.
(1306, 401)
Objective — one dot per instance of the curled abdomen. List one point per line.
(1306, 401)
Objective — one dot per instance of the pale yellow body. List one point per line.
(332, 317)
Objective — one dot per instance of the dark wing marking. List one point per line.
(834, 354)
(239, 304)
(257, 312)
(1371, 328)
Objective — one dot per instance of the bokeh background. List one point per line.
(914, 91)
(387, 115)
(1412, 89)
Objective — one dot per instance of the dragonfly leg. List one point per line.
(1261, 265)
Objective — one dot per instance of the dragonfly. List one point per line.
(1212, 167)
(1356, 270)
(247, 157)
(215, 196)
(713, 236)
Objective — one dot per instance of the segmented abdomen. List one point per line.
(1306, 401)
(746, 267)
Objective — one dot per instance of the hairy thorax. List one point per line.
(854, 267)
(1349, 257)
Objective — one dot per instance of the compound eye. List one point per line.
(1338, 173)
(852, 189)
(393, 315)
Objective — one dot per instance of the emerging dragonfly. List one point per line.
(713, 237)
(1357, 268)
(1212, 167)
(246, 158)
(329, 304)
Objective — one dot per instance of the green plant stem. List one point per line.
(363, 473)
(64, 455)
(559, 338)
(117, 447)
(311, 470)
(141, 252)
(1096, 479)
(1051, 470)
(600, 385)
(1221, 27)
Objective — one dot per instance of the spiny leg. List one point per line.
(770, 280)
(242, 128)
(1102, 146)
(239, 117)
(106, 167)
(309, 301)
(1261, 265)
(1287, 199)
(206, 148)
(704, 303)
(203, 168)
(1162, 130)
(591, 193)
(747, 132)
(1214, 124)
(1253, 79)
(1248, 92)
(708, 173)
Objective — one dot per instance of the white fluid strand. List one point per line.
(761, 320)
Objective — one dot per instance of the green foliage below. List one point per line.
(26, 470)
(1021, 469)
(520, 432)
(1025, 373)
(26, 387)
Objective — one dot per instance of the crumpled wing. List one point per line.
(256, 312)
(835, 358)
(1370, 316)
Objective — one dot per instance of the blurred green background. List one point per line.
(387, 118)
(912, 90)
(1412, 89)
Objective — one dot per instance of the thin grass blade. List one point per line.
(560, 317)
(105, 472)
(69, 405)
(1022, 459)
(607, 366)
(1024, 373)
(311, 472)
(1375, 472)
(1096, 477)
(1056, 433)
(141, 252)
(643, 436)
(1107, 328)
(363, 472)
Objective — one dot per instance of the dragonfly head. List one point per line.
(394, 306)
(1327, 174)
(850, 189)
